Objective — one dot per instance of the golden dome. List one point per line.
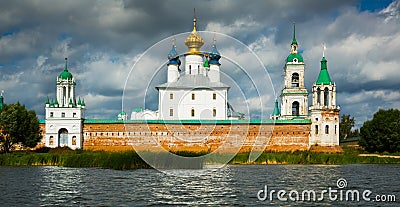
(194, 41)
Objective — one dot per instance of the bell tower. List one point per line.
(64, 114)
(324, 111)
(294, 94)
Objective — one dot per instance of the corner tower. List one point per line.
(324, 111)
(64, 114)
(294, 95)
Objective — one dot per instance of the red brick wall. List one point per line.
(196, 137)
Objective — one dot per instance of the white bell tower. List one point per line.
(294, 95)
(65, 115)
(324, 111)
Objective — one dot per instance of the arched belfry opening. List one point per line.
(326, 96)
(295, 80)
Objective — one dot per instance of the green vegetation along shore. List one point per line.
(131, 160)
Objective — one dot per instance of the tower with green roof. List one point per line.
(64, 115)
(294, 96)
(324, 110)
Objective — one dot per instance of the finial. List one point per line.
(294, 30)
(214, 40)
(2, 91)
(173, 42)
(323, 49)
(66, 64)
(194, 19)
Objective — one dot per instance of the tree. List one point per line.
(345, 126)
(18, 125)
(382, 133)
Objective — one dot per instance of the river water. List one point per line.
(239, 185)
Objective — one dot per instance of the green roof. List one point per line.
(292, 56)
(323, 77)
(65, 75)
(206, 64)
(276, 109)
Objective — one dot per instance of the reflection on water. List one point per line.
(229, 186)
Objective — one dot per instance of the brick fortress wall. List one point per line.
(196, 137)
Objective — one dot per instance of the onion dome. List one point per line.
(65, 75)
(194, 41)
(215, 56)
(173, 57)
(324, 78)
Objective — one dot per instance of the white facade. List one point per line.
(196, 93)
(64, 115)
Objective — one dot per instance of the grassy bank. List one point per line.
(112, 160)
(131, 160)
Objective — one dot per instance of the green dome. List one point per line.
(292, 56)
(65, 75)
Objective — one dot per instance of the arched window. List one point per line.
(214, 96)
(62, 137)
(319, 96)
(316, 129)
(171, 112)
(190, 69)
(295, 80)
(74, 140)
(326, 129)
(295, 108)
(326, 97)
(51, 140)
(192, 112)
(193, 96)
(214, 112)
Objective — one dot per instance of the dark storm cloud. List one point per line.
(103, 38)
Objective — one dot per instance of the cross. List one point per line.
(323, 49)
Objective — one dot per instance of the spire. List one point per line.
(47, 100)
(79, 101)
(276, 109)
(206, 63)
(1, 100)
(66, 65)
(323, 77)
(83, 102)
(294, 41)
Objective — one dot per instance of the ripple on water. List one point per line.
(229, 186)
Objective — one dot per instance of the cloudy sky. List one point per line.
(103, 39)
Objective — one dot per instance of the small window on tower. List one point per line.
(214, 112)
(316, 129)
(74, 115)
(193, 96)
(171, 96)
(192, 112)
(295, 80)
(51, 114)
(214, 96)
(171, 112)
(62, 114)
(326, 129)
